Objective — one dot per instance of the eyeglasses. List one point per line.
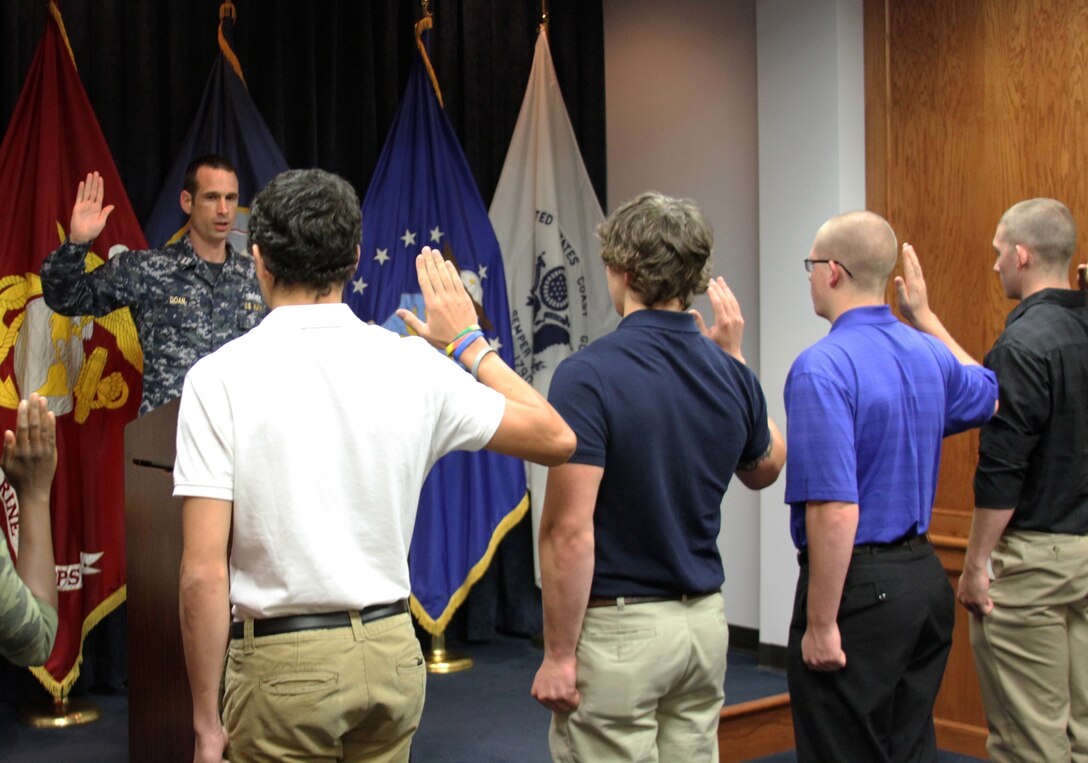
(809, 264)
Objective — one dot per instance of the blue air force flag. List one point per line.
(227, 123)
(545, 215)
(423, 194)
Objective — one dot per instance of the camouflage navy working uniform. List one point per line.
(28, 626)
(182, 309)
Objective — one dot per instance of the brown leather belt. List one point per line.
(615, 601)
(270, 626)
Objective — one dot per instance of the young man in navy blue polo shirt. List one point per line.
(866, 409)
(634, 623)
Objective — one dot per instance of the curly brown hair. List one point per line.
(662, 243)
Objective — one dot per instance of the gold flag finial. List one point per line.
(544, 15)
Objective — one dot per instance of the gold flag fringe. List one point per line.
(60, 689)
(436, 627)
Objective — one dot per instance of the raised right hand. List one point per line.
(29, 456)
(910, 289)
(449, 307)
(88, 215)
(728, 328)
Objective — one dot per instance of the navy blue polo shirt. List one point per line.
(668, 415)
(866, 409)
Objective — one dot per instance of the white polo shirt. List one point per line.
(321, 430)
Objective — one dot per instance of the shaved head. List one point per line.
(863, 242)
(1046, 227)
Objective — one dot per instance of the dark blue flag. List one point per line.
(227, 123)
(423, 194)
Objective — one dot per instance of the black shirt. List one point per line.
(1033, 455)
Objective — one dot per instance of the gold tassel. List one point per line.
(425, 23)
(55, 12)
(228, 9)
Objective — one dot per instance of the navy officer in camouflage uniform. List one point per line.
(187, 299)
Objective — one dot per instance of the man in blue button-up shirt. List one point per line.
(867, 407)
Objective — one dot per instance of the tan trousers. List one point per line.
(651, 677)
(353, 694)
(1031, 651)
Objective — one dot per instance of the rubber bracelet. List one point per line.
(453, 345)
(465, 343)
(476, 363)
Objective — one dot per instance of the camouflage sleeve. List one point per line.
(28, 626)
(69, 289)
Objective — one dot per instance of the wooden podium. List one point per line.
(159, 703)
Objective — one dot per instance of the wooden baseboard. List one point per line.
(763, 727)
(963, 738)
(755, 729)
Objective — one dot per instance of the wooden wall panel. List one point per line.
(971, 106)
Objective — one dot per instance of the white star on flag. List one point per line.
(408, 238)
(358, 285)
(496, 345)
(437, 234)
(482, 272)
(382, 256)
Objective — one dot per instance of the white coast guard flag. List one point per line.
(545, 215)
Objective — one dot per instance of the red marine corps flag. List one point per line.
(88, 369)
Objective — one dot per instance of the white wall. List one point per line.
(680, 89)
(754, 108)
(811, 167)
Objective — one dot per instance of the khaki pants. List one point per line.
(651, 677)
(1031, 651)
(353, 694)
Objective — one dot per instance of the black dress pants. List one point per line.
(895, 620)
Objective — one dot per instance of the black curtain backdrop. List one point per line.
(327, 77)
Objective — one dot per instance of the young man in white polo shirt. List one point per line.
(312, 436)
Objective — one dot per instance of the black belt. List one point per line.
(270, 626)
(603, 601)
(863, 549)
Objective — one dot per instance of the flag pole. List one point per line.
(440, 660)
(59, 713)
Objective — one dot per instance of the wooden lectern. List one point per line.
(160, 710)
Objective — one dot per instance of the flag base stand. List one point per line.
(59, 714)
(441, 661)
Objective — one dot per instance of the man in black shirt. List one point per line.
(1025, 577)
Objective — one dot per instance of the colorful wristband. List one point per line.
(476, 363)
(453, 345)
(465, 343)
